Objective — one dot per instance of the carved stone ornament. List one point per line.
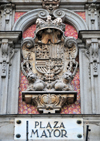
(50, 5)
(6, 19)
(49, 65)
(7, 54)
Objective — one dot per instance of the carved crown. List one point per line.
(49, 24)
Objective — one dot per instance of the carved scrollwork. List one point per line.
(92, 54)
(7, 54)
(49, 101)
(71, 45)
(43, 14)
(28, 42)
(59, 13)
(69, 42)
(4, 48)
(27, 48)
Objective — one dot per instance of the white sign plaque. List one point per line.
(49, 128)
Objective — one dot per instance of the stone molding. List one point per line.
(91, 40)
(72, 18)
(11, 35)
(8, 122)
(7, 40)
(39, 1)
(9, 79)
(30, 17)
(89, 34)
(92, 16)
(7, 16)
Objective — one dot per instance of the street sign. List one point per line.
(48, 128)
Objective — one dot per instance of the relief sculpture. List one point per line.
(49, 63)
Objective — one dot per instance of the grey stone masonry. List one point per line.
(7, 16)
(9, 71)
(90, 71)
(7, 125)
(89, 51)
(92, 16)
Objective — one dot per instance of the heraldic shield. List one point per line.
(49, 60)
(49, 65)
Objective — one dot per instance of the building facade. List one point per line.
(50, 69)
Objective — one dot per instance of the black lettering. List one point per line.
(41, 125)
(55, 126)
(55, 133)
(35, 132)
(48, 125)
(62, 125)
(63, 133)
(36, 123)
(44, 134)
(49, 132)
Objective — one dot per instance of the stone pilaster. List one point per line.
(7, 16)
(92, 16)
(90, 72)
(9, 71)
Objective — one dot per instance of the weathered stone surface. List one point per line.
(90, 62)
(29, 1)
(10, 70)
(92, 16)
(55, 64)
(7, 12)
(67, 15)
(7, 123)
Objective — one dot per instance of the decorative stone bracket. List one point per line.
(92, 41)
(48, 101)
(90, 58)
(7, 53)
(7, 40)
(9, 71)
(94, 54)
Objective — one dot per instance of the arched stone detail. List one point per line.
(68, 16)
(29, 18)
(72, 18)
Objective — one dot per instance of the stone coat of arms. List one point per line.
(49, 65)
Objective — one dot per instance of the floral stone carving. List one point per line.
(49, 65)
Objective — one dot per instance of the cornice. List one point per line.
(75, 2)
(89, 34)
(27, 5)
(11, 35)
